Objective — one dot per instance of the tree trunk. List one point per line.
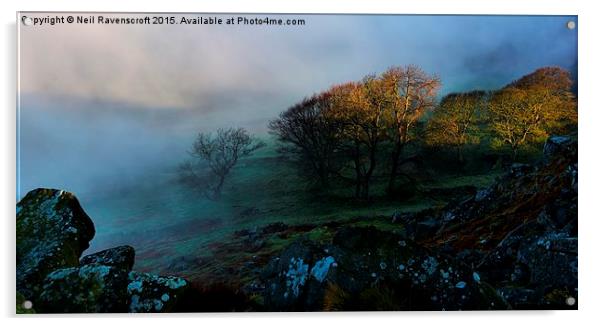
(394, 167)
(514, 152)
(323, 175)
(460, 154)
(365, 187)
(368, 176)
(358, 176)
(217, 192)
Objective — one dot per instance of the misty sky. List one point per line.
(103, 105)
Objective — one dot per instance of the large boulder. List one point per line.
(152, 293)
(121, 257)
(52, 232)
(86, 289)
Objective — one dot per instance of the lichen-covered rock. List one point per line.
(556, 145)
(501, 265)
(526, 193)
(52, 232)
(368, 269)
(121, 257)
(288, 274)
(552, 260)
(520, 234)
(152, 293)
(86, 289)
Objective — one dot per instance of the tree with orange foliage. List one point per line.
(532, 107)
(359, 109)
(454, 122)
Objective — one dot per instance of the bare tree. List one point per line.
(307, 134)
(214, 156)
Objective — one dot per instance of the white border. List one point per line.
(590, 182)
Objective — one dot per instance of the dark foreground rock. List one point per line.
(524, 231)
(520, 234)
(52, 232)
(368, 269)
(85, 289)
(121, 257)
(152, 293)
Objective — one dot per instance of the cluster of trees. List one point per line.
(350, 129)
(359, 131)
(353, 130)
(525, 111)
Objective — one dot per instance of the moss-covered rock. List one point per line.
(121, 257)
(85, 289)
(52, 232)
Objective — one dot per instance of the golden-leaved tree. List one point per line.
(358, 108)
(454, 122)
(531, 108)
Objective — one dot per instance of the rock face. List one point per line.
(52, 232)
(522, 231)
(520, 234)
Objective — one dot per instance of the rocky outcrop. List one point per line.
(368, 269)
(52, 232)
(520, 234)
(557, 145)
